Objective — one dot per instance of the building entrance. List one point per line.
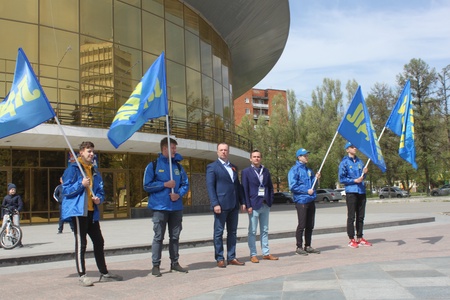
(116, 197)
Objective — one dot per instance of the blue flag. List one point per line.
(401, 122)
(357, 128)
(148, 101)
(26, 105)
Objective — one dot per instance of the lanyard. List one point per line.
(260, 175)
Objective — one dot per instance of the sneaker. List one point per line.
(300, 251)
(85, 281)
(310, 249)
(156, 272)
(110, 277)
(364, 242)
(59, 232)
(353, 244)
(177, 268)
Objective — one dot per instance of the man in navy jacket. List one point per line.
(258, 190)
(226, 195)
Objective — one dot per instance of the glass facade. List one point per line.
(88, 56)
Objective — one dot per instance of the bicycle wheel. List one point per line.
(11, 238)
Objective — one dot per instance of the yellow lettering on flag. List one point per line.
(357, 118)
(16, 100)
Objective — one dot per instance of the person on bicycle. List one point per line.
(13, 202)
(83, 194)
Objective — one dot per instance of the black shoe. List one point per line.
(156, 272)
(59, 231)
(177, 268)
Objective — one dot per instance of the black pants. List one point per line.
(306, 214)
(86, 226)
(356, 209)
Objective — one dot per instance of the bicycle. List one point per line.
(11, 235)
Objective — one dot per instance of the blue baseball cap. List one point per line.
(301, 151)
(348, 145)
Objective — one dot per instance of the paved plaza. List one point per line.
(409, 259)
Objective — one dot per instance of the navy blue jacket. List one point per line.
(221, 189)
(251, 184)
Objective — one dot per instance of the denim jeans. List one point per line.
(228, 218)
(261, 215)
(173, 220)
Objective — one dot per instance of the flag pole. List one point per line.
(379, 138)
(169, 149)
(73, 153)
(323, 161)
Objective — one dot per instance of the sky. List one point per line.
(366, 40)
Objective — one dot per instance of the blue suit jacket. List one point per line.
(251, 183)
(221, 189)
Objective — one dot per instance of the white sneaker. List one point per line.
(85, 281)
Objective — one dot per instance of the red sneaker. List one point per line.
(353, 243)
(364, 242)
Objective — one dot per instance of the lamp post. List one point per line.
(57, 81)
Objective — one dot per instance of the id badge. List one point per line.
(261, 191)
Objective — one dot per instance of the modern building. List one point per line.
(256, 103)
(90, 54)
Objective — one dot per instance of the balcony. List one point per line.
(259, 105)
(101, 116)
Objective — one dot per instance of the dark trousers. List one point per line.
(306, 214)
(356, 208)
(230, 219)
(84, 226)
(161, 220)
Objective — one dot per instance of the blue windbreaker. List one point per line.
(158, 195)
(75, 195)
(349, 170)
(300, 180)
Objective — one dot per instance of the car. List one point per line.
(283, 197)
(393, 192)
(142, 203)
(328, 195)
(342, 191)
(442, 191)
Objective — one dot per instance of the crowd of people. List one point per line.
(166, 182)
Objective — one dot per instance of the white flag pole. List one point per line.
(73, 152)
(169, 149)
(323, 161)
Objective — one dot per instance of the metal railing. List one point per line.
(101, 117)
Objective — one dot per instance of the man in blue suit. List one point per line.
(258, 190)
(226, 195)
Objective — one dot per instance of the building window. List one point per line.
(247, 111)
(247, 100)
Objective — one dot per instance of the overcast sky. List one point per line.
(369, 41)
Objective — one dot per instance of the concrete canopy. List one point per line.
(256, 32)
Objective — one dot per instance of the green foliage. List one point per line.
(313, 126)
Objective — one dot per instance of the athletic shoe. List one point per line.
(364, 242)
(310, 249)
(300, 251)
(156, 272)
(110, 277)
(85, 281)
(353, 244)
(177, 268)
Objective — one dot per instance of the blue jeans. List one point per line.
(173, 219)
(261, 215)
(230, 219)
